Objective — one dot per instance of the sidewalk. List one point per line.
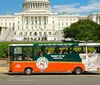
(3, 66)
(3, 69)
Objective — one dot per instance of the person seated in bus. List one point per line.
(41, 54)
(88, 51)
(27, 58)
(66, 52)
(54, 52)
(47, 52)
(95, 51)
(60, 51)
(19, 58)
(74, 51)
(80, 51)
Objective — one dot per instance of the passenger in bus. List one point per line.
(47, 52)
(81, 51)
(27, 58)
(95, 51)
(74, 51)
(19, 58)
(60, 51)
(66, 52)
(41, 54)
(88, 51)
(54, 52)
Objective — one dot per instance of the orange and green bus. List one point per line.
(54, 57)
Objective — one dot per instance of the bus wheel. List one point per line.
(78, 70)
(28, 71)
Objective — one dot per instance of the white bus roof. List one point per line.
(62, 44)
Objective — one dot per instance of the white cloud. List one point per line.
(93, 1)
(74, 8)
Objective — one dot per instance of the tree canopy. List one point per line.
(83, 30)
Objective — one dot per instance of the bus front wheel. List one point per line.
(28, 71)
(78, 70)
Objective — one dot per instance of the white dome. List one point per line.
(36, 5)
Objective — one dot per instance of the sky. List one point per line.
(82, 7)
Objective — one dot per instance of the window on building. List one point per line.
(6, 24)
(32, 27)
(9, 24)
(26, 20)
(52, 22)
(40, 33)
(25, 33)
(45, 33)
(49, 33)
(62, 24)
(35, 26)
(39, 20)
(35, 22)
(15, 33)
(26, 27)
(30, 33)
(44, 20)
(20, 34)
(35, 33)
(44, 27)
(32, 22)
(66, 23)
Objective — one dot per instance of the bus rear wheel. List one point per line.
(78, 70)
(28, 71)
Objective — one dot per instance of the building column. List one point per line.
(36, 5)
(30, 6)
(41, 5)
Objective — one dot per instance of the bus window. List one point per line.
(17, 53)
(51, 50)
(79, 50)
(37, 51)
(64, 50)
(47, 51)
(27, 53)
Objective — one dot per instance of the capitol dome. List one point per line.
(36, 5)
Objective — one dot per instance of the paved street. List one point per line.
(49, 79)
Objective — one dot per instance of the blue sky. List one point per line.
(82, 7)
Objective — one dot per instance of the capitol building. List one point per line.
(36, 22)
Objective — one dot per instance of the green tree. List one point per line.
(83, 30)
(3, 50)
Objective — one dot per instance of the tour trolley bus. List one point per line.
(61, 57)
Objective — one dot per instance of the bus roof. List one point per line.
(59, 44)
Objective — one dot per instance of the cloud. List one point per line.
(77, 8)
(93, 1)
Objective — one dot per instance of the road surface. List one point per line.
(49, 79)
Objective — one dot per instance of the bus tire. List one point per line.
(28, 71)
(78, 70)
